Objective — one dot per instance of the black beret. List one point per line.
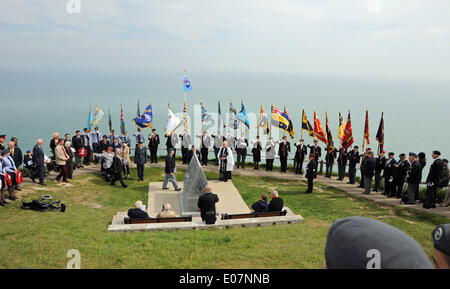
(391, 154)
(354, 242)
(441, 238)
(413, 155)
(445, 160)
(402, 155)
(437, 153)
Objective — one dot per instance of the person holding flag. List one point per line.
(343, 154)
(366, 139)
(331, 150)
(173, 122)
(185, 137)
(146, 119)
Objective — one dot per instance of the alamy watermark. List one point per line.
(75, 259)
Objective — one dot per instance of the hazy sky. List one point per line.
(387, 38)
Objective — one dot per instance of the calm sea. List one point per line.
(36, 104)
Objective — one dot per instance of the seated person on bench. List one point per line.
(276, 204)
(138, 212)
(167, 212)
(207, 202)
(261, 206)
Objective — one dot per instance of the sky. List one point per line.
(407, 39)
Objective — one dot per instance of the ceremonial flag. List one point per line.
(205, 115)
(185, 117)
(380, 134)
(109, 119)
(366, 130)
(138, 114)
(347, 140)
(291, 126)
(330, 144)
(145, 120)
(122, 120)
(279, 119)
(306, 125)
(232, 121)
(99, 114)
(172, 122)
(219, 120)
(243, 117)
(90, 119)
(186, 84)
(263, 122)
(318, 130)
(341, 128)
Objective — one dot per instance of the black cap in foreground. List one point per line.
(363, 243)
(441, 238)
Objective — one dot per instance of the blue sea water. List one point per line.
(34, 104)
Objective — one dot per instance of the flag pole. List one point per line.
(303, 117)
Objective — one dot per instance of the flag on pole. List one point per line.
(347, 140)
(263, 122)
(279, 119)
(380, 134)
(90, 119)
(243, 117)
(146, 119)
(306, 125)
(366, 130)
(109, 119)
(341, 128)
(186, 84)
(99, 114)
(122, 120)
(290, 129)
(205, 115)
(172, 122)
(219, 120)
(138, 113)
(185, 118)
(330, 144)
(232, 121)
(318, 130)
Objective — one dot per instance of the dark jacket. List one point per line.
(311, 172)
(381, 163)
(207, 203)
(353, 159)
(26, 159)
(369, 167)
(389, 168)
(435, 172)
(317, 151)
(415, 173)
(170, 164)
(140, 156)
(287, 149)
(38, 156)
(135, 213)
(155, 142)
(276, 205)
(190, 154)
(401, 171)
(260, 206)
(103, 146)
(77, 142)
(331, 155)
(17, 157)
(301, 153)
(343, 157)
(444, 178)
(116, 165)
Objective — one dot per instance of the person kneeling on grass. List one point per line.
(138, 212)
(167, 212)
(261, 206)
(363, 243)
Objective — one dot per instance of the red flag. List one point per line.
(366, 130)
(347, 140)
(318, 130)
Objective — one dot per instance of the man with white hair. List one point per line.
(138, 212)
(39, 162)
(167, 212)
(207, 202)
(277, 203)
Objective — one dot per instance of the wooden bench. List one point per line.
(254, 215)
(157, 220)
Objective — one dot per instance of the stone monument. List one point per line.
(194, 185)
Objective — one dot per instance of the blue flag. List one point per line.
(186, 84)
(243, 117)
(90, 119)
(145, 120)
(205, 115)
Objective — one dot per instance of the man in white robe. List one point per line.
(226, 162)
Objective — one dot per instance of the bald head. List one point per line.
(208, 188)
(11, 144)
(167, 207)
(39, 142)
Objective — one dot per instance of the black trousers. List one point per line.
(184, 155)
(216, 151)
(241, 155)
(283, 162)
(269, 164)
(310, 185)
(96, 149)
(87, 158)
(116, 177)
(204, 153)
(140, 171)
(299, 166)
(153, 154)
(40, 174)
(361, 182)
(126, 170)
(341, 169)
(389, 187)
(352, 174)
(430, 200)
(70, 166)
(399, 187)
(329, 168)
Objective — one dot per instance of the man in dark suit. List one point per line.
(38, 162)
(389, 187)
(400, 173)
(300, 154)
(137, 212)
(207, 202)
(283, 151)
(316, 151)
(116, 168)
(153, 142)
(77, 143)
(140, 159)
(329, 159)
(369, 171)
(342, 163)
(433, 180)
(191, 153)
(353, 160)
(414, 178)
(170, 171)
(16, 154)
(311, 173)
(379, 168)
(277, 203)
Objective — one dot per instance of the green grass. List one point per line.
(40, 240)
